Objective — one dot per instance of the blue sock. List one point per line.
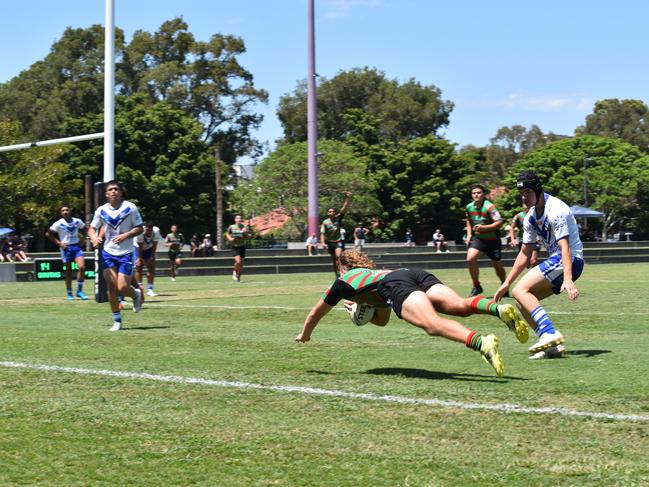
(150, 286)
(117, 316)
(79, 286)
(542, 320)
(69, 291)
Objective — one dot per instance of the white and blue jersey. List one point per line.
(147, 242)
(556, 223)
(115, 222)
(68, 232)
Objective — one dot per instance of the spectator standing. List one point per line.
(409, 242)
(237, 233)
(64, 233)
(175, 241)
(360, 234)
(195, 244)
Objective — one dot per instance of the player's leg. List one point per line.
(68, 281)
(529, 292)
(81, 275)
(150, 276)
(417, 310)
(338, 252)
(472, 255)
(447, 301)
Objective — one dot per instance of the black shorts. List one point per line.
(175, 254)
(398, 285)
(490, 247)
(332, 246)
(240, 251)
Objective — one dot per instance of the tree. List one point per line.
(508, 146)
(204, 79)
(33, 184)
(615, 172)
(405, 111)
(167, 169)
(627, 120)
(280, 180)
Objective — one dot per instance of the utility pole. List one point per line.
(219, 198)
(312, 124)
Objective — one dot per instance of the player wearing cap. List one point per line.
(550, 220)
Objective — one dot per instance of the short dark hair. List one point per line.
(148, 224)
(112, 182)
(480, 186)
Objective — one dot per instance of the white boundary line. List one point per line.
(176, 379)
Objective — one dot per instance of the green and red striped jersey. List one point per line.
(330, 228)
(358, 285)
(484, 215)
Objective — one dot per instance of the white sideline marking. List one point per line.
(504, 407)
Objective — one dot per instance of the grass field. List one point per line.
(443, 424)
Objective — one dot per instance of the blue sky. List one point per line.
(501, 62)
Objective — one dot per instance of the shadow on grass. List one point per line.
(587, 353)
(145, 328)
(433, 375)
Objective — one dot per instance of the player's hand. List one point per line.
(302, 338)
(348, 194)
(477, 229)
(502, 290)
(63, 245)
(138, 262)
(96, 241)
(571, 289)
(348, 305)
(513, 244)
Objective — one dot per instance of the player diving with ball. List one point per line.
(416, 297)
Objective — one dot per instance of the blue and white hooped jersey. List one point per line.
(68, 231)
(557, 222)
(115, 222)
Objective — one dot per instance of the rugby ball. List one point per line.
(361, 313)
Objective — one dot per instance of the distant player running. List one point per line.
(516, 236)
(416, 297)
(175, 241)
(551, 220)
(483, 222)
(121, 223)
(65, 234)
(330, 233)
(147, 243)
(237, 233)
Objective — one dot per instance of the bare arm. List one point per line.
(53, 237)
(313, 318)
(343, 208)
(488, 228)
(133, 232)
(519, 266)
(513, 242)
(469, 231)
(566, 260)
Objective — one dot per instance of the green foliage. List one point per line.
(167, 169)
(33, 183)
(204, 79)
(616, 174)
(627, 120)
(281, 181)
(404, 111)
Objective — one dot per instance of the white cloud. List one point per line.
(546, 103)
(340, 8)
